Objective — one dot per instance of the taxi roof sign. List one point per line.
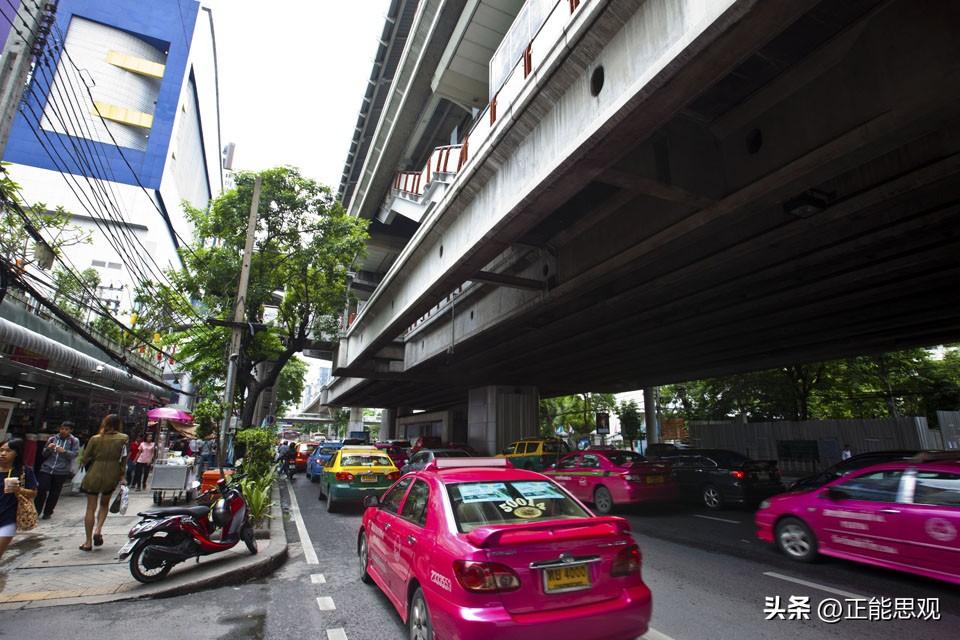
(457, 463)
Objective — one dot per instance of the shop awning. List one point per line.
(69, 363)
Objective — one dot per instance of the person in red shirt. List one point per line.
(132, 459)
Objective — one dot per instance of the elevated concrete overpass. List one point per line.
(653, 192)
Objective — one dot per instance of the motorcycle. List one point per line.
(166, 536)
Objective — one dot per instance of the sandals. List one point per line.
(84, 547)
(97, 540)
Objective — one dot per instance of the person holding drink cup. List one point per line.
(17, 479)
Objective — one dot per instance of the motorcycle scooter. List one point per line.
(166, 536)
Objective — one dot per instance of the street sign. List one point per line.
(603, 423)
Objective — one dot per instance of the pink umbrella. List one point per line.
(169, 413)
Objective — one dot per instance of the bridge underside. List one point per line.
(792, 202)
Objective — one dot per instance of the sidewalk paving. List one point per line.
(45, 567)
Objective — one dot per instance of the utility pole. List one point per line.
(27, 39)
(650, 409)
(234, 354)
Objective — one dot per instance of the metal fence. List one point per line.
(805, 447)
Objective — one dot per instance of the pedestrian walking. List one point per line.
(132, 459)
(18, 480)
(58, 466)
(846, 454)
(104, 458)
(145, 457)
(209, 452)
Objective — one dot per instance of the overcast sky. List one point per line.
(292, 75)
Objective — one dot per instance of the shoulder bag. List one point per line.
(26, 510)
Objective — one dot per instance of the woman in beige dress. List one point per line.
(104, 458)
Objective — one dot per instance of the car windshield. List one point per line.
(327, 451)
(727, 458)
(364, 460)
(478, 504)
(451, 453)
(624, 457)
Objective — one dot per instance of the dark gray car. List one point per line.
(425, 456)
(718, 477)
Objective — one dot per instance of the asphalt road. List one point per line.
(709, 581)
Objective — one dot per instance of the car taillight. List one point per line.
(393, 475)
(343, 476)
(485, 577)
(629, 477)
(739, 475)
(627, 562)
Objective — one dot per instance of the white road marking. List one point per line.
(814, 585)
(318, 578)
(653, 634)
(326, 603)
(336, 634)
(309, 553)
(697, 515)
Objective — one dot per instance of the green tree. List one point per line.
(631, 421)
(577, 412)
(290, 385)
(73, 294)
(305, 242)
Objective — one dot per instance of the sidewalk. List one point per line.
(45, 567)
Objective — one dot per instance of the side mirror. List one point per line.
(837, 494)
(371, 501)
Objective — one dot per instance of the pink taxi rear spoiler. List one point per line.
(548, 531)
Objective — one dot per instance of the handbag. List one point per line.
(115, 505)
(26, 510)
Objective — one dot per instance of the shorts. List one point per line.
(8, 530)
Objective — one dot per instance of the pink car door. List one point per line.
(411, 540)
(861, 516)
(383, 542)
(567, 474)
(931, 523)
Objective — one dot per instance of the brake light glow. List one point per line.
(485, 577)
(739, 475)
(627, 562)
(343, 476)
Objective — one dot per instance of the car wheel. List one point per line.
(364, 560)
(794, 538)
(313, 478)
(712, 498)
(321, 496)
(421, 628)
(331, 505)
(602, 501)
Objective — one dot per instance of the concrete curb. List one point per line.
(263, 564)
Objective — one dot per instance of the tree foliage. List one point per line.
(631, 421)
(305, 242)
(913, 382)
(576, 412)
(290, 385)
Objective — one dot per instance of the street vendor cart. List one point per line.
(174, 481)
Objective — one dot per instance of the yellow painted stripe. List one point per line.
(136, 65)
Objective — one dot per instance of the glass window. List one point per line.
(569, 462)
(527, 448)
(415, 506)
(453, 453)
(880, 486)
(476, 504)
(554, 446)
(591, 461)
(421, 457)
(937, 488)
(364, 460)
(391, 499)
(624, 457)
(727, 459)
(511, 449)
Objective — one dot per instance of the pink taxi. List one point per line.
(471, 548)
(608, 477)
(900, 515)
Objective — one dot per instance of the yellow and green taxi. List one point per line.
(354, 472)
(535, 453)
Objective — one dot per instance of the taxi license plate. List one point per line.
(654, 479)
(370, 478)
(567, 579)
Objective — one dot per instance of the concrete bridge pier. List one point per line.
(497, 415)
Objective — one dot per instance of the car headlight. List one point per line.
(765, 504)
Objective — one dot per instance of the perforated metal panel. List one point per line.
(90, 44)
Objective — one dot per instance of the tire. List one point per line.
(418, 617)
(313, 478)
(795, 539)
(331, 504)
(602, 501)
(711, 496)
(364, 560)
(249, 538)
(322, 495)
(144, 575)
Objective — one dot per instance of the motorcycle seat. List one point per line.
(163, 512)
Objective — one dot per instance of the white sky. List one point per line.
(292, 75)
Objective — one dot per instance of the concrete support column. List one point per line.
(388, 423)
(650, 413)
(496, 416)
(356, 419)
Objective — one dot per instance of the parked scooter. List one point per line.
(166, 536)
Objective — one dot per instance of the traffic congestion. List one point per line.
(540, 537)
